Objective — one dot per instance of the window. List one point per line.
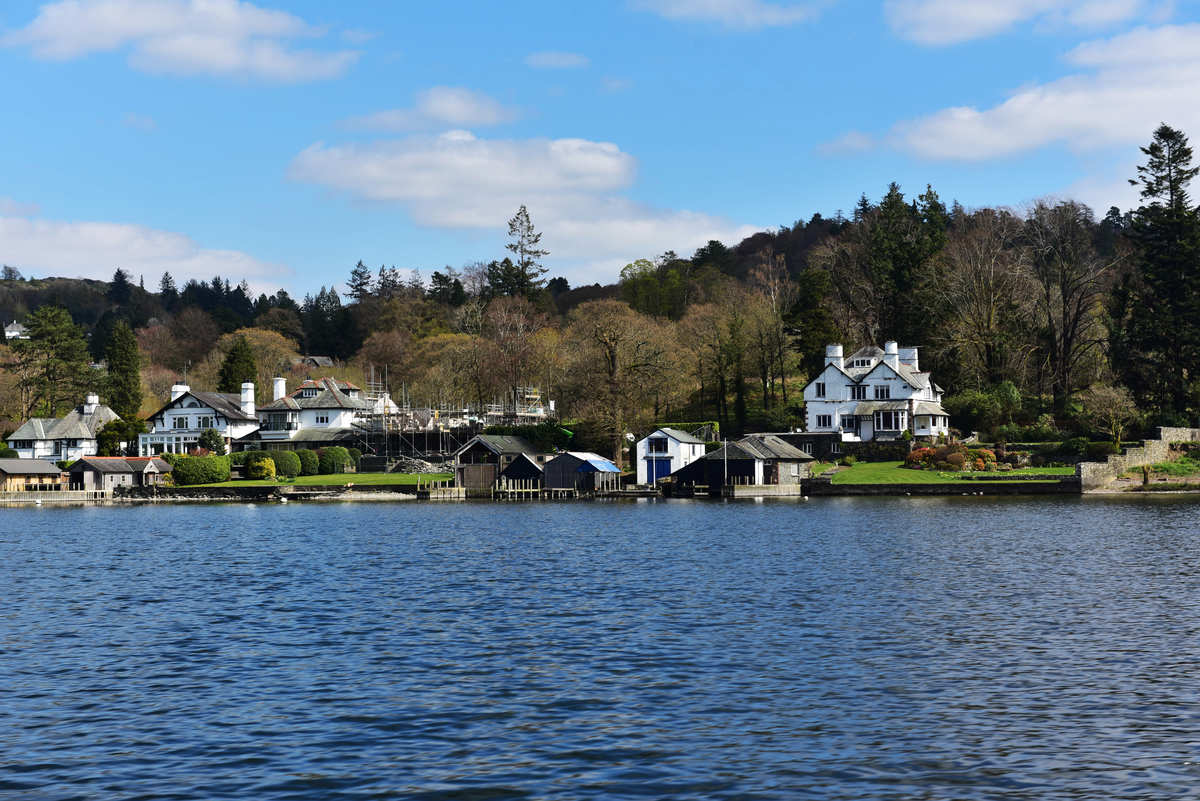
(179, 422)
(820, 390)
(204, 422)
(309, 392)
(861, 363)
(322, 419)
(658, 445)
(849, 422)
(807, 447)
(889, 421)
(882, 392)
(824, 421)
(858, 392)
(836, 448)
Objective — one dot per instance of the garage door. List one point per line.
(659, 469)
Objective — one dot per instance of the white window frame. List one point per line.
(858, 392)
(819, 390)
(883, 392)
(824, 421)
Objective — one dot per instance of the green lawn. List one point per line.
(894, 473)
(341, 479)
(822, 467)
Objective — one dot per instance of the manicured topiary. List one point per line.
(332, 460)
(308, 462)
(260, 468)
(287, 464)
(8, 453)
(355, 456)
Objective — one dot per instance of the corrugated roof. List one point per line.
(28, 467)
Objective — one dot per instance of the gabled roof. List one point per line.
(914, 380)
(331, 394)
(28, 467)
(499, 444)
(761, 446)
(74, 425)
(121, 464)
(678, 436)
(228, 405)
(522, 461)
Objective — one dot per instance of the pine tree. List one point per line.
(525, 247)
(387, 286)
(53, 363)
(120, 290)
(124, 371)
(359, 285)
(237, 368)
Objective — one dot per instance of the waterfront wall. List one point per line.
(1066, 486)
(1094, 475)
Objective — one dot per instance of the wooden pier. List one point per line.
(37, 498)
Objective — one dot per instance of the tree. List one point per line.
(525, 247)
(124, 371)
(53, 363)
(120, 289)
(237, 368)
(211, 440)
(447, 288)
(10, 274)
(359, 285)
(1112, 407)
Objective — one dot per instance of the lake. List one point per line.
(894, 648)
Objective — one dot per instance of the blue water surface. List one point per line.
(901, 648)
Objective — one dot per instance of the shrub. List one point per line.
(979, 465)
(170, 458)
(201, 470)
(355, 456)
(956, 460)
(211, 439)
(847, 461)
(920, 458)
(8, 453)
(260, 468)
(1076, 446)
(287, 463)
(986, 454)
(245, 457)
(332, 460)
(1100, 450)
(308, 462)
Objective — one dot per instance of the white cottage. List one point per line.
(874, 395)
(665, 451)
(176, 427)
(316, 413)
(64, 438)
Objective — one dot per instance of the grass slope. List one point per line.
(895, 473)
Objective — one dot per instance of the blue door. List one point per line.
(659, 469)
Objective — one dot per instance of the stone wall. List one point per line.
(1093, 475)
(1065, 486)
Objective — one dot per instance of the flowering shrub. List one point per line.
(919, 458)
(956, 460)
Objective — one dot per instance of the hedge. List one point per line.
(287, 463)
(332, 460)
(201, 470)
(260, 468)
(309, 463)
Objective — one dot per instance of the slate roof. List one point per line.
(761, 446)
(228, 405)
(680, 436)
(118, 464)
(74, 425)
(28, 467)
(868, 408)
(331, 394)
(500, 443)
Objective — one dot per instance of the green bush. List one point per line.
(260, 468)
(201, 470)
(170, 458)
(211, 439)
(956, 460)
(355, 455)
(8, 453)
(1076, 446)
(245, 457)
(848, 460)
(332, 460)
(287, 463)
(309, 464)
(1099, 451)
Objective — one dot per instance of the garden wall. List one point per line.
(1093, 475)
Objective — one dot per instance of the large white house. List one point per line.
(176, 427)
(315, 413)
(665, 451)
(874, 395)
(64, 438)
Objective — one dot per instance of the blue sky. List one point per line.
(282, 141)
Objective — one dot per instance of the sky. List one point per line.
(281, 141)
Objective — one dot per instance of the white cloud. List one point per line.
(226, 38)
(944, 22)
(733, 13)
(849, 142)
(556, 60)
(572, 187)
(95, 249)
(440, 106)
(1130, 84)
(139, 122)
(15, 208)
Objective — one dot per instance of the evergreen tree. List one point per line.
(53, 362)
(525, 246)
(120, 289)
(237, 368)
(1160, 353)
(387, 285)
(359, 284)
(124, 371)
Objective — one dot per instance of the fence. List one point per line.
(63, 496)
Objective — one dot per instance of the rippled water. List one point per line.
(841, 649)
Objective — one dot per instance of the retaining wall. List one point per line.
(1066, 486)
(1093, 475)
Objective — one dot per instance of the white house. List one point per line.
(176, 427)
(316, 412)
(665, 451)
(874, 395)
(15, 330)
(64, 438)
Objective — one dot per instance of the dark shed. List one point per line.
(581, 471)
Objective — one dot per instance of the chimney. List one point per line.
(90, 403)
(833, 355)
(891, 355)
(179, 390)
(248, 398)
(279, 389)
(908, 357)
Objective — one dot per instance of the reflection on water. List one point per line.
(962, 648)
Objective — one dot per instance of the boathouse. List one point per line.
(523, 468)
(755, 460)
(109, 472)
(663, 452)
(581, 471)
(479, 462)
(30, 475)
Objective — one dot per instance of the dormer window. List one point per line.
(309, 392)
(861, 363)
